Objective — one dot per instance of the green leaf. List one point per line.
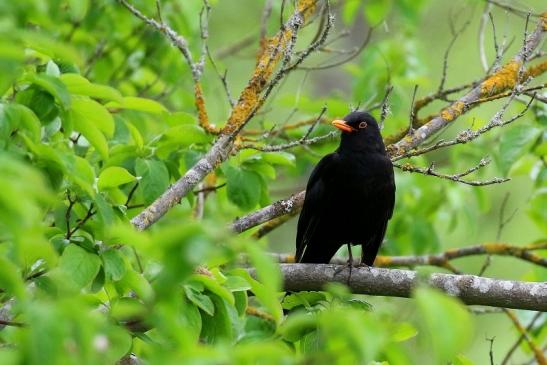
(267, 270)
(214, 287)
(139, 104)
(104, 210)
(139, 284)
(515, 143)
(114, 176)
(84, 175)
(53, 86)
(93, 134)
(217, 327)
(403, 332)
(78, 9)
(79, 85)
(243, 187)
(264, 294)
(52, 69)
(537, 210)
(22, 118)
(185, 135)
(445, 321)
(79, 265)
(94, 113)
(241, 302)
(11, 59)
(236, 283)
(41, 102)
(10, 279)
(303, 298)
(297, 326)
(201, 300)
(154, 178)
(191, 320)
(114, 265)
(135, 134)
(279, 158)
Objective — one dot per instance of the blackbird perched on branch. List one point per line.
(349, 197)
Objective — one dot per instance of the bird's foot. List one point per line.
(349, 265)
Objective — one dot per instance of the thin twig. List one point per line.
(513, 348)
(455, 177)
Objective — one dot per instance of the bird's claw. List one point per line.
(349, 265)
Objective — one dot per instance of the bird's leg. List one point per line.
(350, 259)
(349, 265)
(350, 262)
(363, 263)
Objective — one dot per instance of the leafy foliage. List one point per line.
(97, 119)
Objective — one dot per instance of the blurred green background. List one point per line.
(105, 43)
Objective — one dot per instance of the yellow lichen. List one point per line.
(505, 78)
(307, 7)
(269, 55)
(383, 261)
(202, 112)
(453, 111)
(494, 248)
(544, 20)
(536, 70)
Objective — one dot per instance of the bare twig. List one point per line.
(303, 141)
(412, 112)
(384, 108)
(455, 177)
(482, 27)
(538, 353)
(182, 45)
(513, 348)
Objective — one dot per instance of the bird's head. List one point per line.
(360, 131)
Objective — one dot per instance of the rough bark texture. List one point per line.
(280, 207)
(218, 153)
(399, 283)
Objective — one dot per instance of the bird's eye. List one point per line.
(363, 125)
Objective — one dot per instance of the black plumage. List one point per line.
(350, 195)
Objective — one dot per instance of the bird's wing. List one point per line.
(315, 197)
(371, 250)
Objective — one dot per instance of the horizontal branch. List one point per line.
(441, 259)
(472, 290)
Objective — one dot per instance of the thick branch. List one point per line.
(399, 283)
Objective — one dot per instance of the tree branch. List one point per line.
(470, 289)
(278, 48)
(441, 259)
(505, 78)
(280, 207)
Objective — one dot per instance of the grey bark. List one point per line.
(470, 289)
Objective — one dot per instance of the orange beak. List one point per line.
(343, 126)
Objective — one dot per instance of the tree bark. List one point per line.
(470, 289)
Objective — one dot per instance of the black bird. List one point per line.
(349, 197)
